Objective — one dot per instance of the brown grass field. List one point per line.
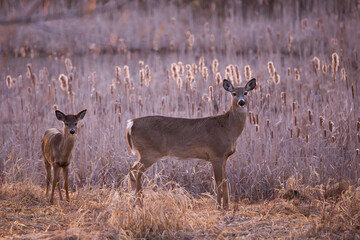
(295, 173)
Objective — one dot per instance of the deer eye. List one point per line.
(234, 94)
(67, 124)
(245, 93)
(75, 124)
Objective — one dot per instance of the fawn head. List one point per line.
(239, 94)
(70, 121)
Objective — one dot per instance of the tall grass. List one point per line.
(303, 118)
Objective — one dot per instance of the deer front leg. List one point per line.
(55, 181)
(218, 174)
(66, 183)
(48, 175)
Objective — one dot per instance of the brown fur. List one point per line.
(56, 148)
(211, 138)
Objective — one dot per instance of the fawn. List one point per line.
(56, 148)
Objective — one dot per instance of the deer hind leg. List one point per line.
(55, 182)
(48, 175)
(225, 185)
(65, 171)
(139, 168)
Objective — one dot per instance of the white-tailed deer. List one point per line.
(211, 138)
(56, 148)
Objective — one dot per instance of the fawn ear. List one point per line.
(59, 115)
(228, 86)
(250, 85)
(81, 114)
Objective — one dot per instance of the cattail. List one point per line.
(291, 133)
(331, 124)
(298, 132)
(295, 121)
(194, 68)
(358, 126)
(343, 74)
(272, 134)
(205, 73)
(147, 75)
(289, 72)
(297, 74)
(201, 64)
(180, 68)
(63, 79)
(335, 62)
(118, 75)
(232, 72)
(322, 120)
(141, 64)
(30, 74)
(283, 97)
(307, 138)
(126, 72)
(333, 138)
(237, 75)
(324, 68)
(142, 77)
(316, 64)
(257, 128)
(228, 75)
(8, 81)
(358, 137)
(310, 115)
(293, 106)
(276, 78)
(250, 117)
(215, 65)
(211, 92)
(68, 65)
(55, 107)
(271, 69)
(174, 71)
(357, 152)
(218, 78)
(267, 122)
(324, 133)
(179, 83)
(113, 87)
(247, 72)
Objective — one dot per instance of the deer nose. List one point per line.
(72, 131)
(241, 102)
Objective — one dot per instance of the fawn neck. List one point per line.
(67, 144)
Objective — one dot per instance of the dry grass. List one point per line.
(96, 213)
(296, 158)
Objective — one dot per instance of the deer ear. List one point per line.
(81, 114)
(228, 86)
(250, 85)
(59, 115)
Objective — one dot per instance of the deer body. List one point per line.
(211, 138)
(56, 148)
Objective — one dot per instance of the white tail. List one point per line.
(212, 139)
(56, 148)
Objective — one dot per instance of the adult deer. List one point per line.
(211, 138)
(56, 148)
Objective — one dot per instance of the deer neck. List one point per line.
(67, 144)
(237, 120)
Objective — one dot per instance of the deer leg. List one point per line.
(55, 182)
(225, 185)
(218, 174)
(66, 183)
(48, 175)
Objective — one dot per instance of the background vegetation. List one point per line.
(125, 59)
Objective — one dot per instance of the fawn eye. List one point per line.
(75, 124)
(234, 94)
(245, 93)
(67, 124)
